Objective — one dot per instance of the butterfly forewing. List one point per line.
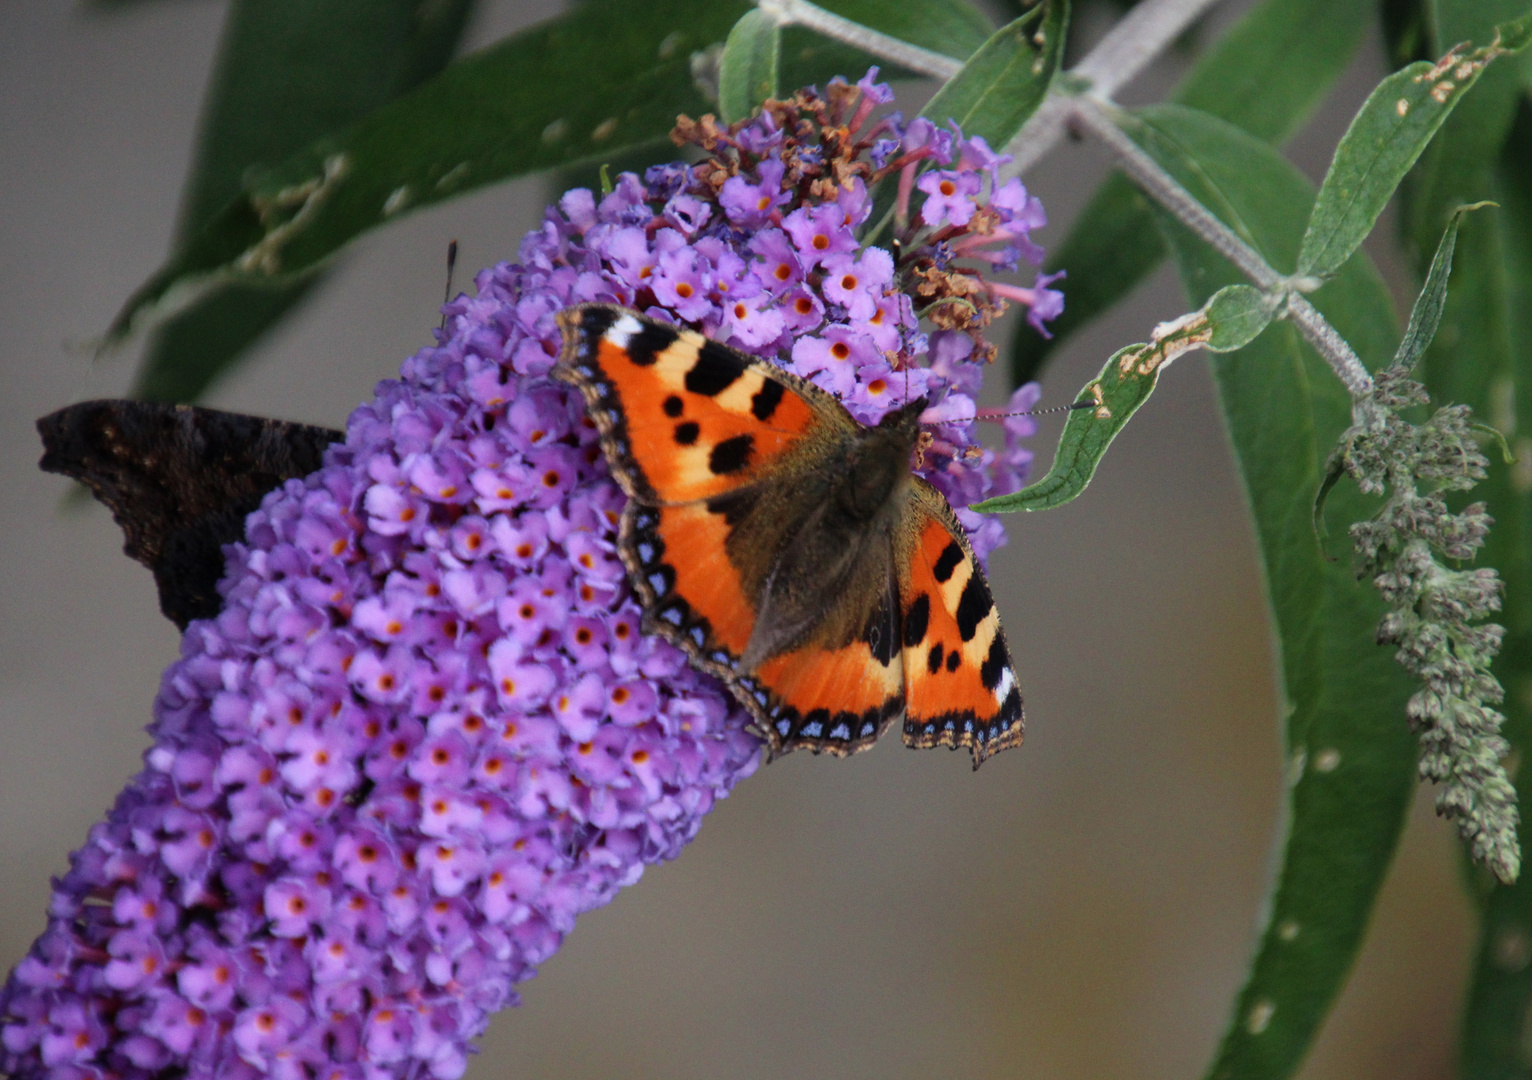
(682, 418)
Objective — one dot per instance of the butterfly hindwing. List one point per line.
(960, 687)
(835, 697)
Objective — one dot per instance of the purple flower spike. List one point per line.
(426, 732)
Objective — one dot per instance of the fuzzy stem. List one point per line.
(1129, 47)
(803, 13)
(1093, 115)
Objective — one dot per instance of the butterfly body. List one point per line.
(789, 549)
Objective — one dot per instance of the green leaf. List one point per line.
(1232, 319)
(747, 72)
(1492, 338)
(1124, 384)
(1427, 312)
(607, 76)
(288, 72)
(1002, 84)
(1456, 167)
(1351, 757)
(1266, 75)
(1385, 139)
(1235, 316)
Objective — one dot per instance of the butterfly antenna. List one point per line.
(447, 292)
(1087, 404)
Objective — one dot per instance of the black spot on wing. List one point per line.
(652, 339)
(731, 455)
(672, 406)
(715, 370)
(1010, 708)
(686, 432)
(916, 619)
(766, 399)
(948, 562)
(934, 660)
(972, 607)
(735, 506)
(994, 664)
(953, 660)
(882, 632)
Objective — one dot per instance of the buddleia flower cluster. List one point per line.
(427, 731)
(1436, 610)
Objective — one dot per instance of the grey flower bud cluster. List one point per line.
(1435, 609)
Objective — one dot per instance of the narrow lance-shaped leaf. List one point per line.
(288, 72)
(1456, 167)
(1351, 757)
(608, 76)
(747, 71)
(1385, 139)
(1230, 320)
(1426, 315)
(1266, 75)
(1002, 84)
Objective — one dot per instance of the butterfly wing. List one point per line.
(682, 418)
(180, 480)
(959, 685)
(720, 454)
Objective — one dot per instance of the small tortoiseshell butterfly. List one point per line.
(789, 549)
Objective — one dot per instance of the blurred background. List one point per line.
(1082, 907)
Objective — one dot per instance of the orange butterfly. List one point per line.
(789, 549)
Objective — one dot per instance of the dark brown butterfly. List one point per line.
(180, 481)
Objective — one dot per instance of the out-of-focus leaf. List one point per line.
(1267, 74)
(747, 72)
(1351, 755)
(1489, 354)
(1001, 85)
(609, 76)
(1232, 319)
(1385, 139)
(288, 72)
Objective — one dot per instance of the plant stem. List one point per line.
(1093, 116)
(831, 25)
(1137, 39)
(1129, 47)
(1096, 116)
